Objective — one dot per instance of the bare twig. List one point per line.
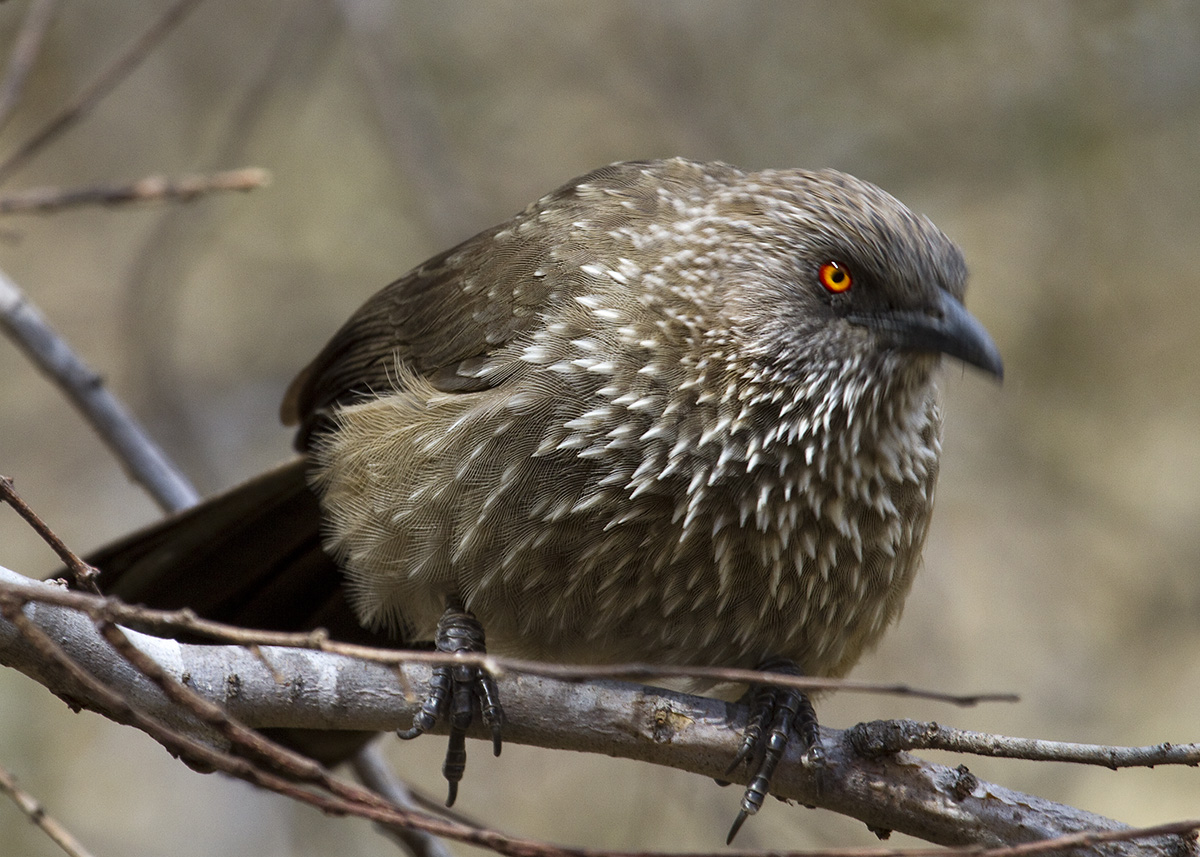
(1184, 830)
(169, 622)
(26, 48)
(374, 773)
(898, 792)
(289, 61)
(202, 752)
(881, 737)
(37, 814)
(411, 118)
(84, 574)
(350, 800)
(149, 189)
(100, 86)
(145, 462)
(270, 755)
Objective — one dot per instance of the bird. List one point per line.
(673, 411)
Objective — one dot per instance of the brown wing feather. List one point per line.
(462, 305)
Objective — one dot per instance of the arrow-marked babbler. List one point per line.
(673, 412)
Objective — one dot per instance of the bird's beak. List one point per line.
(946, 328)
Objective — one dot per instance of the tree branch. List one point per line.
(373, 772)
(172, 623)
(47, 200)
(25, 51)
(37, 814)
(287, 687)
(99, 87)
(143, 459)
(884, 737)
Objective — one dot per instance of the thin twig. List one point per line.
(84, 574)
(100, 86)
(145, 462)
(373, 772)
(348, 798)
(290, 59)
(177, 621)
(696, 734)
(37, 814)
(239, 735)
(26, 48)
(150, 189)
(1186, 830)
(882, 737)
(411, 118)
(206, 755)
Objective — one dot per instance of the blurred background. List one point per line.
(1059, 144)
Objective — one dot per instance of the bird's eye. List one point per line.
(835, 277)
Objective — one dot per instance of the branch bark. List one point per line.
(884, 737)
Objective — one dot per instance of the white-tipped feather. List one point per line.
(666, 467)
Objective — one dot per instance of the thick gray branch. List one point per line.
(142, 458)
(311, 689)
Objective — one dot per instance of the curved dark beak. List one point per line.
(946, 328)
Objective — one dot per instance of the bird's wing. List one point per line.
(464, 304)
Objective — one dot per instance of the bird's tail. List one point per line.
(250, 557)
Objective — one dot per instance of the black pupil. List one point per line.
(837, 275)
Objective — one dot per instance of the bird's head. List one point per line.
(842, 270)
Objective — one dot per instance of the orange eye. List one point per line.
(835, 277)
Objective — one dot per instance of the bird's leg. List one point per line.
(456, 692)
(775, 714)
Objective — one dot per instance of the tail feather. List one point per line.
(251, 556)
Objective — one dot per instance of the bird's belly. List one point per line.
(688, 612)
(568, 557)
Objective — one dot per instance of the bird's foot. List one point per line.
(776, 713)
(457, 692)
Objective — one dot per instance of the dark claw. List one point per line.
(490, 710)
(434, 706)
(784, 711)
(455, 764)
(737, 825)
(760, 715)
(456, 693)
